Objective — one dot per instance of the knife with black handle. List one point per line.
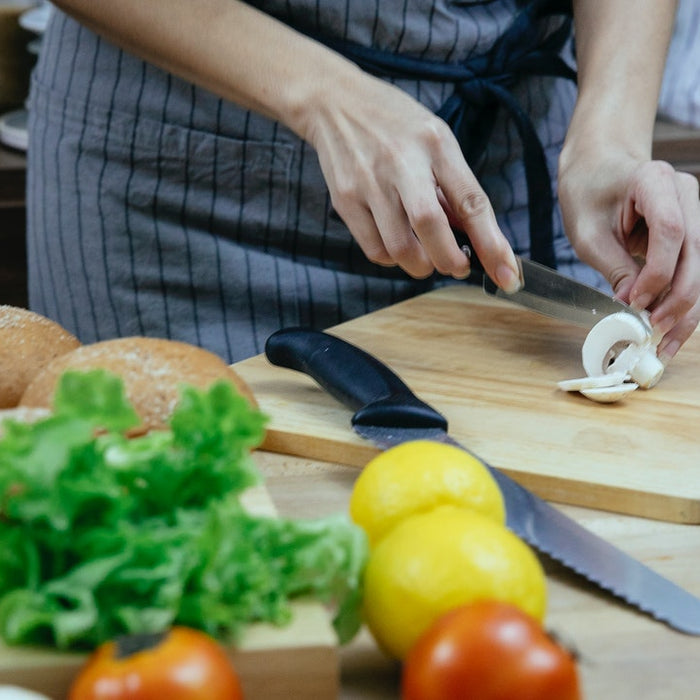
(388, 413)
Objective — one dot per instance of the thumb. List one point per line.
(620, 269)
(605, 253)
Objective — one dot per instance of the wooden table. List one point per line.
(625, 655)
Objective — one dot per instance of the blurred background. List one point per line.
(22, 23)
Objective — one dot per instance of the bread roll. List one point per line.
(152, 370)
(28, 342)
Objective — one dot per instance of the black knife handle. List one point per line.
(354, 377)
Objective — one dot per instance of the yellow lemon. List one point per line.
(435, 561)
(415, 477)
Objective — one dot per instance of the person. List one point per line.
(211, 171)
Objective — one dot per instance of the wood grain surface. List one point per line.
(624, 654)
(491, 368)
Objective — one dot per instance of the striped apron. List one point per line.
(155, 208)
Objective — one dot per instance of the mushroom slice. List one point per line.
(610, 394)
(621, 342)
(608, 338)
(597, 382)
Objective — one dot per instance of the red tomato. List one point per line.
(181, 664)
(489, 651)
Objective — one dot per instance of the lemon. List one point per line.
(415, 477)
(435, 561)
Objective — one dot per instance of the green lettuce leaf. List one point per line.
(103, 535)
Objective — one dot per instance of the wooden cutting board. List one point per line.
(491, 368)
(295, 662)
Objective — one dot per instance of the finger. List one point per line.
(363, 229)
(398, 238)
(672, 342)
(431, 226)
(685, 288)
(656, 199)
(596, 246)
(473, 213)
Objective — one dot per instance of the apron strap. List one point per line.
(483, 82)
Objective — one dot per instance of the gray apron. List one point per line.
(155, 208)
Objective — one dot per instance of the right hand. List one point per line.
(399, 181)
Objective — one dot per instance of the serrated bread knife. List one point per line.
(388, 413)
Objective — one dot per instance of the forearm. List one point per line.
(226, 46)
(392, 167)
(621, 50)
(627, 215)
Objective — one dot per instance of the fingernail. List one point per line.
(668, 351)
(463, 275)
(508, 279)
(641, 302)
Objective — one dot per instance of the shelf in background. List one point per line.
(679, 145)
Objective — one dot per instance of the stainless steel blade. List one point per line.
(548, 292)
(553, 533)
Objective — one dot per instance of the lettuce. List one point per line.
(102, 535)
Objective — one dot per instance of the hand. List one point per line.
(398, 179)
(638, 222)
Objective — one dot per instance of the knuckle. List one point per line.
(688, 182)
(474, 204)
(675, 228)
(376, 252)
(343, 199)
(683, 330)
(434, 132)
(617, 276)
(656, 280)
(661, 168)
(425, 216)
(686, 301)
(399, 247)
(405, 252)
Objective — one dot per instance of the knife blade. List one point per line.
(550, 293)
(388, 413)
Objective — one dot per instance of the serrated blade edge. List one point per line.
(555, 534)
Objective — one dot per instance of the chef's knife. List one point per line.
(548, 292)
(388, 413)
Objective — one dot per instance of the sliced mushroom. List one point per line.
(619, 355)
(609, 394)
(621, 342)
(597, 382)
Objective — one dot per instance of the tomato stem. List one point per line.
(128, 644)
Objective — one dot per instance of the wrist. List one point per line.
(602, 131)
(310, 96)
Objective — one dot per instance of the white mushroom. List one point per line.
(621, 342)
(609, 394)
(597, 382)
(619, 355)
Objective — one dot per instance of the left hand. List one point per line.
(638, 223)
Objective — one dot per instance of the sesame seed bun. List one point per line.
(152, 370)
(28, 342)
